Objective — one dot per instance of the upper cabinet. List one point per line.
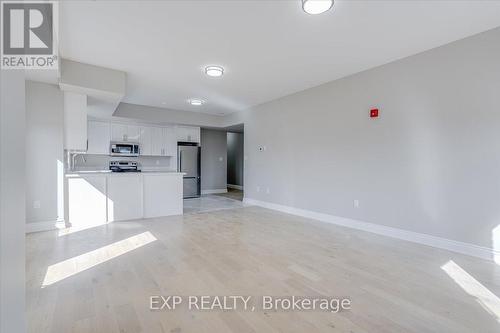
(145, 140)
(133, 133)
(99, 133)
(118, 132)
(153, 140)
(157, 142)
(123, 132)
(188, 134)
(75, 121)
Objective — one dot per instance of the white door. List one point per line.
(99, 137)
(145, 141)
(118, 132)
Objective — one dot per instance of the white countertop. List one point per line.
(77, 173)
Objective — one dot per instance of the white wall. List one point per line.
(213, 169)
(429, 164)
(44, 152)
(12, 202)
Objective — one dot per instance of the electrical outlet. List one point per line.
(221, 159)
(258, 188)
(355, 203)
(36, 204)
(268, 190)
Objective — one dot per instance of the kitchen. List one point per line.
(130, 171)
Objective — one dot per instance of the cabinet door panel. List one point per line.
(162, 195)
(145, 141)
(118, 132)
(170, 141)
(133, 133)
(99, 137)
(124, 197)
(188, 134)
(87, 200)
(158, 148)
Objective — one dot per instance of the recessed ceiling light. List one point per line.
(214, 71)
(196, 102)
(316, 6)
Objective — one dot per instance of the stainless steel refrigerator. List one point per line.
(188, 161)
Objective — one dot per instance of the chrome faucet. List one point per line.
(73, 160)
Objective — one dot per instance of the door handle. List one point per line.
(180, 161)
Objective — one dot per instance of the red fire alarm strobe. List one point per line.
(374, 113)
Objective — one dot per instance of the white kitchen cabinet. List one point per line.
(145, 140)
(162, 195)
(188, 134)
(75, 121)
(170, 141)
(99, 133)
(133, 133)
(118, 132)
(86, 200)
(124, 132)
(124, 197)
(157, 141)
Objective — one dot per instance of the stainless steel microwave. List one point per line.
(124, 149)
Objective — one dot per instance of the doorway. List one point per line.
(235, 164)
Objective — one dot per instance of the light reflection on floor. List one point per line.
(75, 265)
(489, 301)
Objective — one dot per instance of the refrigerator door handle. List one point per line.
(180, 160)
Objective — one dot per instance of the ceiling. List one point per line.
(269, 49)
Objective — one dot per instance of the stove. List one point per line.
(123, 166)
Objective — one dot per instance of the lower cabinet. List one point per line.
(161, 202)
(124, 197)
(86, 200)
(101, 198)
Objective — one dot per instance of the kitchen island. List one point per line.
(100, 196)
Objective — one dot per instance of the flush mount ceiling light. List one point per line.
(316, 6)
(214, 71)
(196, 102)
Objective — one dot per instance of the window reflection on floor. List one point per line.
(489, 301)
(75, 265)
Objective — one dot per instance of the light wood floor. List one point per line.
(394, 286)
(232, 194)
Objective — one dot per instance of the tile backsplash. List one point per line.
(101, 162)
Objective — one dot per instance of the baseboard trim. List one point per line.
(222, 190)
(411, 236)
(44, 226)
(236, 187)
